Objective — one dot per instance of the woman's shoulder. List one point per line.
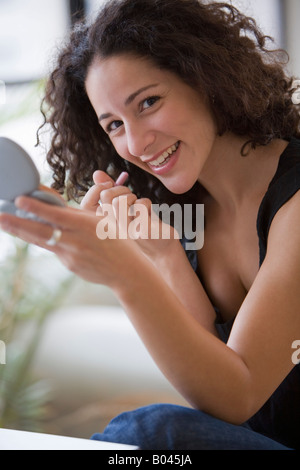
(284, 185)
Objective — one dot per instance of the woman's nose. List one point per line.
(139, 139)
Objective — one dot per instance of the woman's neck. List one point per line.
(232, 179)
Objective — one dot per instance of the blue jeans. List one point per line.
(173, 427)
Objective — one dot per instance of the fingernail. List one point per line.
(122, 179)
(21, 202)
(107, 184)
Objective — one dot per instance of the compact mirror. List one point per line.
(18, 174)
(20, 177)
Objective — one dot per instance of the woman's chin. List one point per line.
(179, 188)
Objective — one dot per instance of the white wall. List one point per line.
(93, 5)
(267, 13)
(292, 12)
(279, 19)
(28, 32)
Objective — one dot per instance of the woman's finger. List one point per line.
(102, 181)
(145, 202)
(62, 217)
(37, 233)
(90, 202)
(100, 177)
(108, 195)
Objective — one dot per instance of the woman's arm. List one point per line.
(176, 270)
(168, 255)
(229, 381)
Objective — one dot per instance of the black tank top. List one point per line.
(279, 418)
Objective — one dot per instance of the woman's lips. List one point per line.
(166, 160)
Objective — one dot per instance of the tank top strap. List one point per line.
(285, 183)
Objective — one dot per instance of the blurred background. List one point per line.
(72, 361)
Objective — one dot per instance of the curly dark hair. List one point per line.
(210, 46)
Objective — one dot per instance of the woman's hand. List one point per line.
(135, 217)
(97, 194)
(79, 248)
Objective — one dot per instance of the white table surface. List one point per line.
(24, 440)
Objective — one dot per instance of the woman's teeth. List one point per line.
(165, 156)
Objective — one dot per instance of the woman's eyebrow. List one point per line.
(130, 99)
(104, 116)
(136, 93)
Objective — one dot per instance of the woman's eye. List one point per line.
(147, 103)
(114, 125)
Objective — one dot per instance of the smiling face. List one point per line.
(153, 119)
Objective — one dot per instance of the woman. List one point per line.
(187, 99)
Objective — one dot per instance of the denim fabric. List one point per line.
(173, 427)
